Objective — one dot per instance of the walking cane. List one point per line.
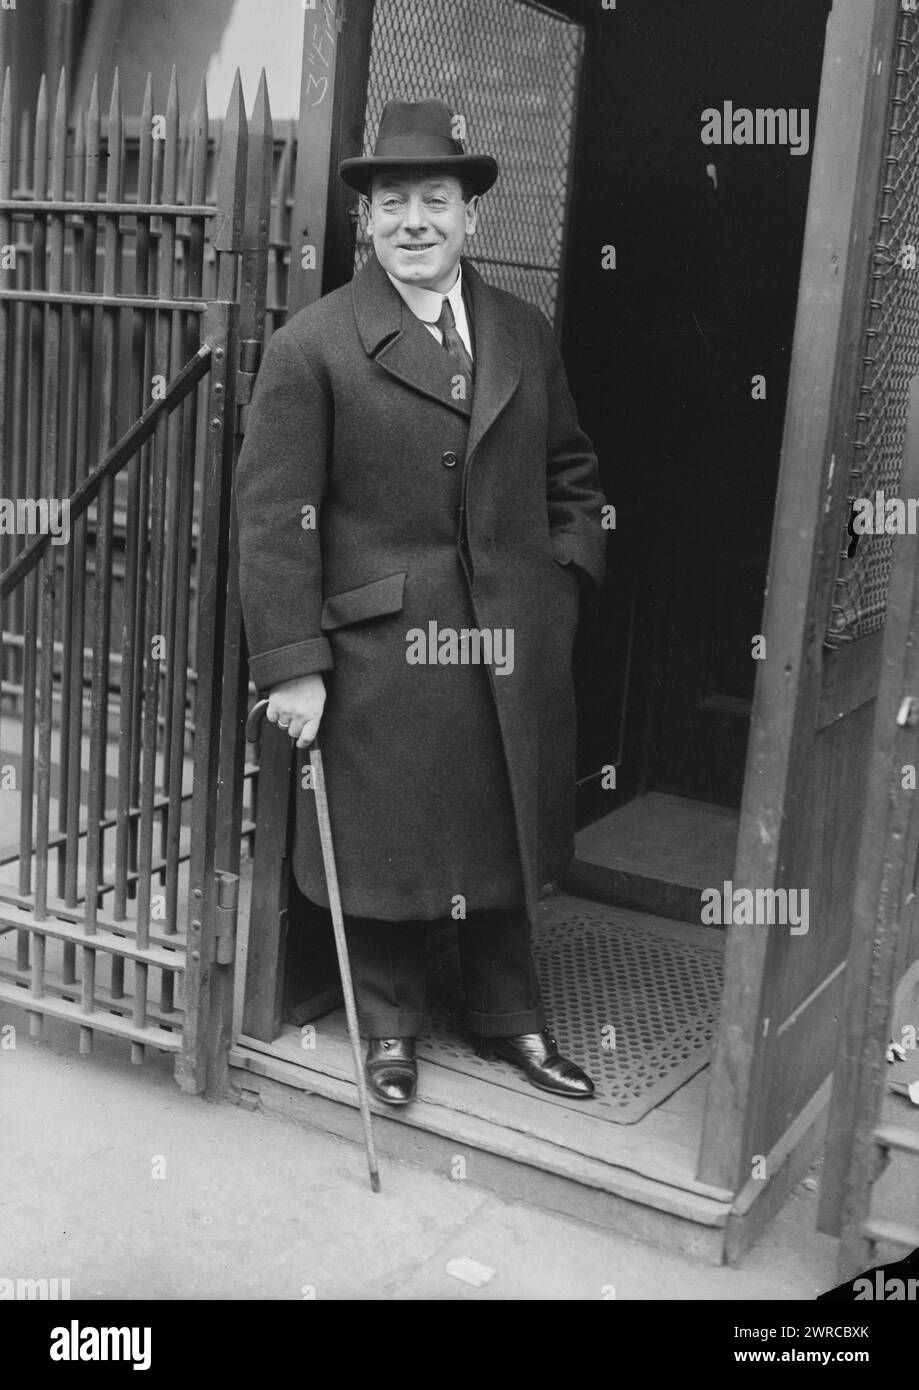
(338, 928)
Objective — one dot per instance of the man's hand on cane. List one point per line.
(297, 706)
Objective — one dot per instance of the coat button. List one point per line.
(449, 459)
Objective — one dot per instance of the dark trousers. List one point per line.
(501, 989)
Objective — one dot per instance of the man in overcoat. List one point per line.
(418, 508)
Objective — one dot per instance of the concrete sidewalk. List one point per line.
(114, 1179)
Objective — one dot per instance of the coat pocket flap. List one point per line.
(368, 601)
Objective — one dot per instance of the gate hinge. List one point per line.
(225, 913)
(250, 355)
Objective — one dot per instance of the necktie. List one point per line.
(452, 340)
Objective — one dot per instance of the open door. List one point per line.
(885, 941)
(807, 762)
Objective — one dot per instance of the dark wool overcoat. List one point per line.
(436, 511)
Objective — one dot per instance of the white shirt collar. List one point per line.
(426, 304)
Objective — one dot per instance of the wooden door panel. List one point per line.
(884, 946)
(807, 761)
(802, 1001)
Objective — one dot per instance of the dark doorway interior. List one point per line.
(661, 355)
(662, 352)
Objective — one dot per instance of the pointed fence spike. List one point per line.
(227, 230)
(24, 162)
(259, 177)
(172, 99)
(200, 144)
(114, 109)
(59, 140)
(93, 140)
(145, 146)
(261, 111)
(40, 147)
(170, 145)
(146, 110)
(115, 143)
(6, 138)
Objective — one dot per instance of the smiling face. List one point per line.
(419, 227)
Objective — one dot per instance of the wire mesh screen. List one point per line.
(511, 69)
(890, 358)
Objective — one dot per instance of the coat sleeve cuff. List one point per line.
(286, 663)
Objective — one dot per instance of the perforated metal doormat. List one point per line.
(635, 1005)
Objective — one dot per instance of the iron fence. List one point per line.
(130, 317)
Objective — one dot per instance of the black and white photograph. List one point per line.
(459, 682)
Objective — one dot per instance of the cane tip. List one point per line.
(374, 1182)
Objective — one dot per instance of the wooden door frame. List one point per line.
(848, 165)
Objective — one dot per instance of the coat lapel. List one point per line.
(401, 344)
(395, 338)
(498, 360)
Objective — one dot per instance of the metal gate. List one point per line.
(131, 320)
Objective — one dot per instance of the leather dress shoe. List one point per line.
(538, 1055)
(391, 1070)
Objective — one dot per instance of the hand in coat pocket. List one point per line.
(298, 705)
(570, 569)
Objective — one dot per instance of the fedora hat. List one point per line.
(418, 135)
